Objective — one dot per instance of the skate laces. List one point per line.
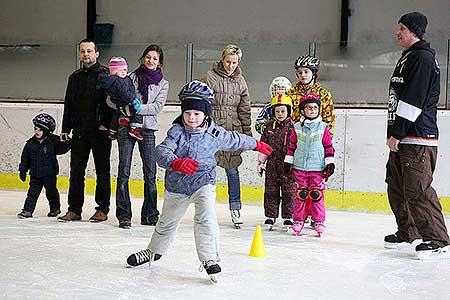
(143, 256)
(206, 264)
(236, 213)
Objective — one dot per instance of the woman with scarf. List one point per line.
(231, 110)
(151, 91)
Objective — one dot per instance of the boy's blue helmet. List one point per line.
(196, 95)
(45, 122)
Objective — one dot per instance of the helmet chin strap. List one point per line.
(312, 81)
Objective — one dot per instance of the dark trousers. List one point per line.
(276, 181)
(51, 192)
(100, 145)
(415, 204)
(149, 211)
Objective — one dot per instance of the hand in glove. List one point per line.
(263, 148)
(23, 176)
(287, 168)
(328, 171)
(185, 165)
(136, 105)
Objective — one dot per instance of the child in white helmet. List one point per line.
(279, 85)
(188, 155)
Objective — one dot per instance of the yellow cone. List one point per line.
(257, 249)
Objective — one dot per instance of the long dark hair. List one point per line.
(155, 48)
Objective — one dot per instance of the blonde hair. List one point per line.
(231, 50)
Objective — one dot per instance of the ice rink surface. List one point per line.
(44, 259)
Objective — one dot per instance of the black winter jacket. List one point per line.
(120, 90)
(414, 96)
(85, 106)
(39, 157)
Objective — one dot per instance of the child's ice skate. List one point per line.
(297, 227)
(212, 268)
(269, 223)
(319, 228)
(236, 218)
(142, 257)
(430, 250)
(287, 224)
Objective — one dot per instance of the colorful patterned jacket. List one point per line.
(326, 107)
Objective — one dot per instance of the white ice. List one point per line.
(44, 259)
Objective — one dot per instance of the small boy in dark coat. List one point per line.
(39, 157)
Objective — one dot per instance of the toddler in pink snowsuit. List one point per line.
(310, 159)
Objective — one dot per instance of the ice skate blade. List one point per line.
(237, 226)
(394, 246)
(269, 227)
(438, 254)
(213, 278)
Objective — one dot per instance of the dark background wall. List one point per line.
(271, 33)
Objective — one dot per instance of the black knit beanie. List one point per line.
(201, 105)
(415, 22)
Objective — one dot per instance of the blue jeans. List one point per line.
(234, 188)
(149, 211)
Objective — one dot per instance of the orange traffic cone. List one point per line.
(257, 249)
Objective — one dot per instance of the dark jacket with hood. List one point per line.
(120, 90)
(39, 156)
(414, 96)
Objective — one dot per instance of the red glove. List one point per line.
(185, 165)
(263, 148)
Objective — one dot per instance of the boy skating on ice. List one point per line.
(187, 154)
(310, 158)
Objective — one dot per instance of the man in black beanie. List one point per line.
(412, 138)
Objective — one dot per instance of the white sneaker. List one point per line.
(236, 217)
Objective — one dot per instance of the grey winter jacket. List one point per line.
(201, 147)
(157, 96)
(231, 107)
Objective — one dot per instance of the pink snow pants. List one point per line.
(309, 180)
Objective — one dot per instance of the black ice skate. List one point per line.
(142, 257)
(212, 268)
(236, 218)
(269, 223)
(287, 224)
(430, 250)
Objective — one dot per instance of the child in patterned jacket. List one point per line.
(310, 158)
(187, 154)
(277, 134)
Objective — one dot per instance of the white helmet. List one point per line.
(279, 85)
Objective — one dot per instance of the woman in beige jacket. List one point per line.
(231, 110)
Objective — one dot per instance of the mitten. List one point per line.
(263, 148)
(185, 165)
(287, 168)
(23, 176)
(328, 171)
(136, 105)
